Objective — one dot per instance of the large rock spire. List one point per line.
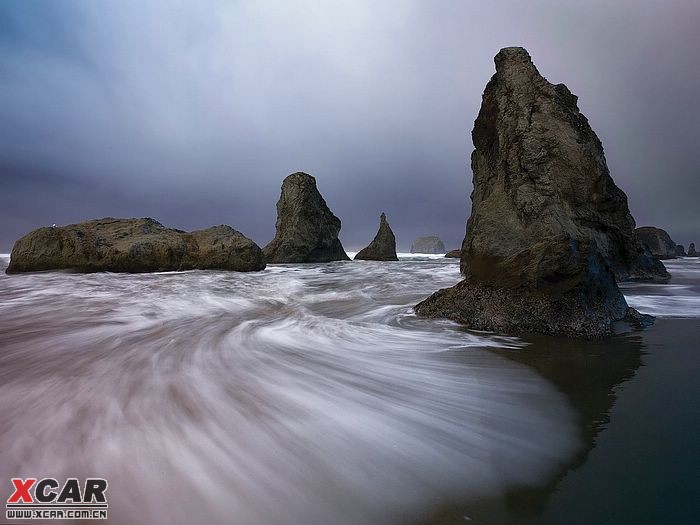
(549, 230)
(306, 229)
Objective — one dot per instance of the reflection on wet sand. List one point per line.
(589, 374)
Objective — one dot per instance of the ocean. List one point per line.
(313, 394)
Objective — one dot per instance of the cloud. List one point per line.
(193, 112)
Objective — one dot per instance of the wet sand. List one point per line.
(637, 397)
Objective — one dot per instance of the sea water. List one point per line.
(300, 394)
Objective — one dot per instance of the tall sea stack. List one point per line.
(306, 229)
(549, 230)
(548, 165)
(382, 247)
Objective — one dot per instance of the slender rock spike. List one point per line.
(382, 247)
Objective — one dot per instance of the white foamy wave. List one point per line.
(311, 394)
(666, 306)
(408, 255)
(679, 298)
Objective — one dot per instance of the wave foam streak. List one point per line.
(679, 298)
(296, 395)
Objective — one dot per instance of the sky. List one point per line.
(194, 112)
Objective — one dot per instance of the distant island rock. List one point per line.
(680, 250)
(382, 247)
(454, 254)
(134, 246)
(549, 228)
(691, 250)
(306, 229)
(658, 241)
(429, 244)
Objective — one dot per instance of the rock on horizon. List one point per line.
(306, 229)
(429, 244)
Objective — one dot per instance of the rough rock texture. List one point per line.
(430, 244)
(691, 250)
(549, 230)
(383, 247)
(539, 167)
(658, 241)
(511, 311)
(133, 245)
(223, 248)
(680, 250)
(454, 254)
(306, 230)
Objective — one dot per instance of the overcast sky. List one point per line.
(193, 112)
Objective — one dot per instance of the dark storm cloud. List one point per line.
(193, 112)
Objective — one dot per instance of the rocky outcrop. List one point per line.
(454, 254)
(133, 245)
(548, 152)
(306, 229)
(549, 229)
(658, 241)
(382, 247)
(691, 250)
(680, 250)
(429, 244)
(223, 248)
